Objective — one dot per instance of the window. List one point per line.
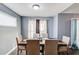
(37, 26)
(43, 26)
(31, 28)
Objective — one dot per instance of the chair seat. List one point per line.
(22, 47)
(62, 49)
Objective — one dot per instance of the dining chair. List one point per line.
(20, 45)
(50, 47)
(33, 47)
(66, 39)
(44, 35)
(64, 48)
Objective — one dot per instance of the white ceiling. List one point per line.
(72, 9)
(46, 9)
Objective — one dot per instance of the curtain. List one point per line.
(74, 33)
(31, 27)
(43, 28)
(77, 33)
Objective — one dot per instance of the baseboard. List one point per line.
(11, 50)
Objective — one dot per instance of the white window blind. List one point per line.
(31, 28)
(7, 20)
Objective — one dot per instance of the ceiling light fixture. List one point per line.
(36, 6)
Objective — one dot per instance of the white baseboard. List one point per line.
(11, 50)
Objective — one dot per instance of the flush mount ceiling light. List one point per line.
(36, 6)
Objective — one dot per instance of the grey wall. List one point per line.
(7, 39)
(50, 27)
(8, 34)
(58, 25)
(24, 27)
(53, 27)
(51, 24)
(64, 24)
(19, 25)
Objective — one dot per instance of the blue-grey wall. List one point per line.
(51, 26)
(55, 26)
(58, 25)
(24, 27)
(8, 34)
(64, 24)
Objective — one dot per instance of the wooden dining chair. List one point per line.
(64, 48)
(21, 45)
(50, 47)
(33, 47)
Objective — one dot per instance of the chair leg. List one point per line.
(62, 53)
(21, 51)
(17, 51)
(26, 50)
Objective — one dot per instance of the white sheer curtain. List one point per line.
(31, 27)
(43, 28)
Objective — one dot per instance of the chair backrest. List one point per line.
(44, 35)
(17, 40)
(36, 35)
(66, 39)
(51, 47)
(33, 47)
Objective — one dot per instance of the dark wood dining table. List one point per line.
(42, 43)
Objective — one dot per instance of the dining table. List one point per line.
(42, 44)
